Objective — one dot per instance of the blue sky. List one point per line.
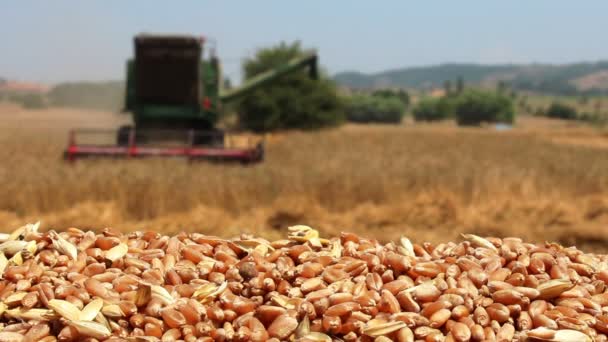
(52, 41)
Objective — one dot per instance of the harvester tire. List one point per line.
(122, 137)
(260, 150)
(216, 139)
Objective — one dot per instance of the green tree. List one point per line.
(474, 107)
(374, 108)
(559, 110)
(459, 85)
(400, 94)
(432, 109)
(293, 101)
(447, 87)
(502, 86)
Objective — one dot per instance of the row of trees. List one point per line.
(296, 101)
(471, 107)
(560, 110)
(383, 106)
(363, 108)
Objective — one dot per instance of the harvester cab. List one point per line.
(174, 94)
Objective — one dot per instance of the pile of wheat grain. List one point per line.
(82, 286)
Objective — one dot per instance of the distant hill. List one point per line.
(567, 79)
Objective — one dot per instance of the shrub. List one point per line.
(588, 117)
(474, 107)
(431, 109)
(293, 101)
(369, 108)
(400, 94)
(559, 110)
(540, 111)
(593, 118)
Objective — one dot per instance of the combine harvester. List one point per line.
(175, 95)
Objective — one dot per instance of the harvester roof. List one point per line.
(168, 40)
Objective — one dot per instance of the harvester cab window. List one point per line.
(167, 69)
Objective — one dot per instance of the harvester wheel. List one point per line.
(218, 139)
(214, 138)
(122, 137)
(260, 149)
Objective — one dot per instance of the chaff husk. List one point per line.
(251, 244)
(143, 295)
(63, 246)
(9, 336)
(90, 311)
(303, 328)
(65, 309)
(375, 329)
(549, 335)
(301, 233)
(406, 248)
(117, 252)
(284, 302)
(19, 233)
(567, 335)
(12, 247)
(101, 319)
(553, 288)
(207, 292)
(478, 241)
(112, 311)
(15, 298)
(162, 294)
(29, 249)
(314, 337)
(3, 264)
(30, 314)
(91, 329)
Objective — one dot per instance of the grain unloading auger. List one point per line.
(175, 97)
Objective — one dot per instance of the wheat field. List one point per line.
(543, 180)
